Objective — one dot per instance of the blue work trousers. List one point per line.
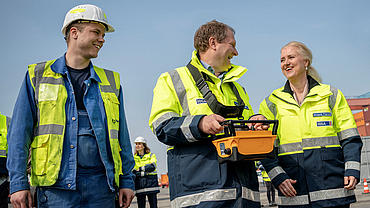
(92, 186)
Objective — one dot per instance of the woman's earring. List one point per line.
(306, 68)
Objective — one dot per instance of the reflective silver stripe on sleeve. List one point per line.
(250, 194)
(275, 172)
(296, 200)
(271, 106)
(162, 118)
(3, 153)
(308, 143)
(49, 129)
(147, 190)
(354, 165)
(345, 134)
(112, 81)
(180, 91)
(333, 97)
(211, 195)
(114, 134)
(330, 194)
(185, 128)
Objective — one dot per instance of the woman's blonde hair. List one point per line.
(304, 51)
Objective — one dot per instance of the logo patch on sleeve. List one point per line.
(201, 101)
(323, 123)
(322, 114)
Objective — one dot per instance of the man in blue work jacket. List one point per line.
(70, 117)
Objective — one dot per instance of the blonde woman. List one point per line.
(319, 148)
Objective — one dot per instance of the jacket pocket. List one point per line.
(39, 154)
(199, 168)
(333, 166)
(111, 105)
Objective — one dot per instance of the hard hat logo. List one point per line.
(74, 11)
(86, 12)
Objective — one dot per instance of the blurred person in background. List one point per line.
(145, 170)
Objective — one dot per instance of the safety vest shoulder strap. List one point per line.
(110, 80)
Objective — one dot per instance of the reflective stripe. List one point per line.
(296, 200)
(51, 80)
(330, 194)
(352, 165)
(185, 128)
(320, 141)
(309, 143)
(3, 153)
(291, 147)
(49, 129)
(250, 194)
(39, 71)
(275, 172)
(112, 81)
(212, 195)
(147, 190)
(114, 134)
(345, 134)
(163, 117)
(333, 97)
(271, 106)
(180, 91)
(108, 89)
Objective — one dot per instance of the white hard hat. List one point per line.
(140, 139)
(86, 12)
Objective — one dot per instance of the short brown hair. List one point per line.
(80, 26)
(215, 29)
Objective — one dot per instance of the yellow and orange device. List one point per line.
(239, 142)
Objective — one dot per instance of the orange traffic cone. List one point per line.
(366, 187)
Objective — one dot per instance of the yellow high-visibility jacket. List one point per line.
(318, 144)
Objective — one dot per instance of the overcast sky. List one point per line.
(153, 37)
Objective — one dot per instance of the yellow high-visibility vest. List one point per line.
(50, 97)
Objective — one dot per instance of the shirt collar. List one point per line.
(311, 83)
(60, 67)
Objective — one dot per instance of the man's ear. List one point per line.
(73, 32)
(212, 43)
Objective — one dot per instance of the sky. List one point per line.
(153, 37)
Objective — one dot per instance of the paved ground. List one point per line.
(363, 200)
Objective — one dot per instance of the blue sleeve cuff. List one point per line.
(19, 186)
(352, 172)
(127, 181)
(195, 130)
(279, 179)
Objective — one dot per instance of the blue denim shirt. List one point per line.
(20, 134)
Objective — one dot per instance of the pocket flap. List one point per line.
(39, 141)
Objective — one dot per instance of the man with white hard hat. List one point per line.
(70, 117)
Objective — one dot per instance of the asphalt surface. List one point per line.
(363, 200)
